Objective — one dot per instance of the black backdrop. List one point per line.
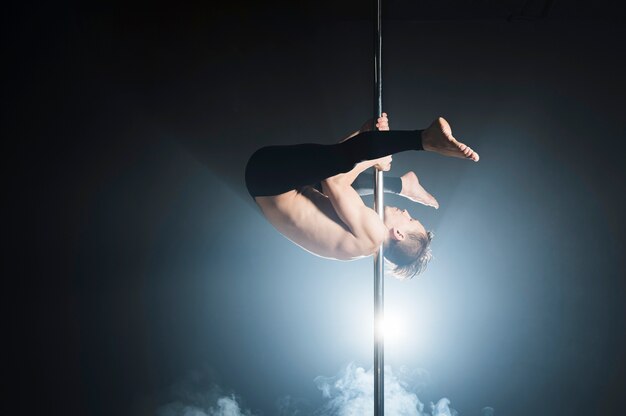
(95, 96)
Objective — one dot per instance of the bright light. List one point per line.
(393, 328)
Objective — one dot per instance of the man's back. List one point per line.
(308, 219)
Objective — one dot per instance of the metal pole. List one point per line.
(379, 289)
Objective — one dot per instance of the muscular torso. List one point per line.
(308, 219)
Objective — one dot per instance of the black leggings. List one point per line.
(274, 170)
(364, 184)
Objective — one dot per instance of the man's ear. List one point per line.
(397, 234)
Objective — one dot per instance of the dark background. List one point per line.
(134, 255)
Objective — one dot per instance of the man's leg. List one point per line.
(407, 186)
(364, 184)
(278, 169)
(275, 170)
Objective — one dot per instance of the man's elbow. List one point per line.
(336, 181)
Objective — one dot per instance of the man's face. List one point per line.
(401, 220)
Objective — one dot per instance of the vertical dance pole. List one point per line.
(379, 289)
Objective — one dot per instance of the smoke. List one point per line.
(224, 406)
(351, 393)
(196, 395)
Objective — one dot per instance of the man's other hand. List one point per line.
(384, 163)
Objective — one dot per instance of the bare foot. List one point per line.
(438, 138)
(412, 190)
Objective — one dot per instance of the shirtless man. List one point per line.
(335, 223)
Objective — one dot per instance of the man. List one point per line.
(334, 222)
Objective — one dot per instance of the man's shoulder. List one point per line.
(367, 242)
(375, 229)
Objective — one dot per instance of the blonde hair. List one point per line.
(409, 256)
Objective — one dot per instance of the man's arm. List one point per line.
(363, 222)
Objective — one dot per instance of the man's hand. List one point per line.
(384, 163)
(382, 124)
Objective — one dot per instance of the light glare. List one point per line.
(392, 328)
